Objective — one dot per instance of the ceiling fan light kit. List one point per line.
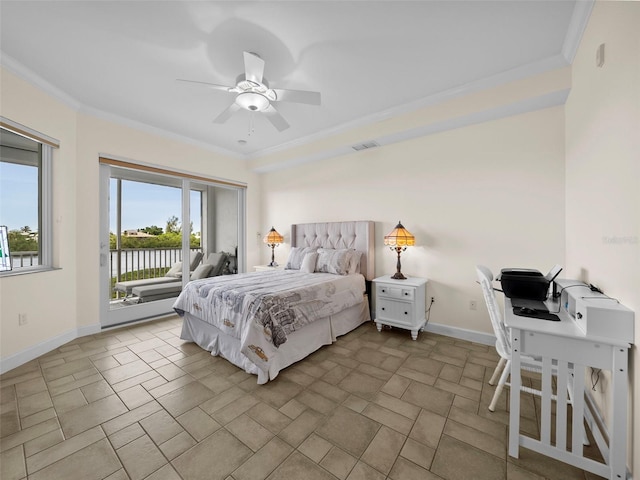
(253, 102)
(254, 95)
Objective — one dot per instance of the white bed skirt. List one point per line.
(298, 345)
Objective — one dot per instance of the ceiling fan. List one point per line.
(253, 94)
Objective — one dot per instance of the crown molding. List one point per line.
(136, 125)
(518, 73)
(28, 75)
(579, 20)
(523, 106)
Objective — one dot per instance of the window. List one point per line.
(25, 198)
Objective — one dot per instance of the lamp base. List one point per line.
(272, 264)
(398, 276)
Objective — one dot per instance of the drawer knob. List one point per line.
(382, 308)
(406, 293)
(406, 313)
(383, 290)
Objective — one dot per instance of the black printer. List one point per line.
(526, 283)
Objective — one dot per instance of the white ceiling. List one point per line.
(369, 59)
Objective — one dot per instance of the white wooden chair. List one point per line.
(503, 344)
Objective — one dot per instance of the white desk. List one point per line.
(562, 344)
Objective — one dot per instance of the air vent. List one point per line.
(365, 145)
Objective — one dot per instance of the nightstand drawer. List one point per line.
(391, 309)
(386, 291)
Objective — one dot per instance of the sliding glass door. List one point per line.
(157, 233)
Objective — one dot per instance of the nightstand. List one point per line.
(267, 268)
(400, 303)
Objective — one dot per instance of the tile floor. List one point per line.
(138, 402)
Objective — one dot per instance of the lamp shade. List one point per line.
(399, 237)
(273, 237)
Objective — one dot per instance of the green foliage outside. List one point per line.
(152, 230)
(171, 238)
(19, 242)
(165, 240)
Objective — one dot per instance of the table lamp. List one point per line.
(399, 239)
(273, 239)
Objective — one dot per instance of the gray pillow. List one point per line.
(216, 260)
(334, 261)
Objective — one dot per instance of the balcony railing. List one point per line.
(141, 263)
(24, 259)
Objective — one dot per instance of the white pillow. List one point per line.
(309, 262)
(201, 272)
(296, 255)
(334, 261)
(354, 264)
(175, 270)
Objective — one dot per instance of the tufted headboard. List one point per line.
(357, 235)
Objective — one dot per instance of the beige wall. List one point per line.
(48, 299)
(63, 300)
(603, 171)
(491, 193)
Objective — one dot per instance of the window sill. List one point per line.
(27, 271)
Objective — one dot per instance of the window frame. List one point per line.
(45, 201)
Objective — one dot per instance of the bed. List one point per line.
(263, 322)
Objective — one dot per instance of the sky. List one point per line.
(143, 204)
(18, 196)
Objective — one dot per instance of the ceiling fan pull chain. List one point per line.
(251, 123)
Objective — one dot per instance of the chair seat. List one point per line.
(148, 293)
(127, 286)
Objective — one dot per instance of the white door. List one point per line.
(119, 264)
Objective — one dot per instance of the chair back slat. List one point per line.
(485, 278)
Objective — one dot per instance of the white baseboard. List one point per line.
(461, 333)
(13, 361)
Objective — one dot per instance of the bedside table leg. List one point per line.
(414, 334)
(379, 325)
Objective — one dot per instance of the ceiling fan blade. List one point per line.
(226, 114)
(253, 67)
(214, 86)
(297, 96)
(275, 118)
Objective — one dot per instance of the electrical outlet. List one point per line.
(22, 319)
(473, 305)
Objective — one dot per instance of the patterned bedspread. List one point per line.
(262, 308)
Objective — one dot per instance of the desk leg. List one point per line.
(514, 394)
(618, 434)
